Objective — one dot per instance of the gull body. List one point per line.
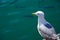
(45, 29)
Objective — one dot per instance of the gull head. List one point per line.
(39, 13)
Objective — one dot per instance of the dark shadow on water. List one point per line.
(47, 6)
(29, 16)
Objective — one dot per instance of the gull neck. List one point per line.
(41, 20)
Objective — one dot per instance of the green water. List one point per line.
(17, 23)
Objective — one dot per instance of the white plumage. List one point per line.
(45, 29)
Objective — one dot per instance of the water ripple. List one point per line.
(13, 13)
(7, 2)
(14, 21)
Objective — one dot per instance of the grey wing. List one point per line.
(53, 30)
(47, 32)
(49, 26)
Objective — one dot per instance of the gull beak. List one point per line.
(33, 14)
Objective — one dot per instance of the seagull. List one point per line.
(45, 29)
